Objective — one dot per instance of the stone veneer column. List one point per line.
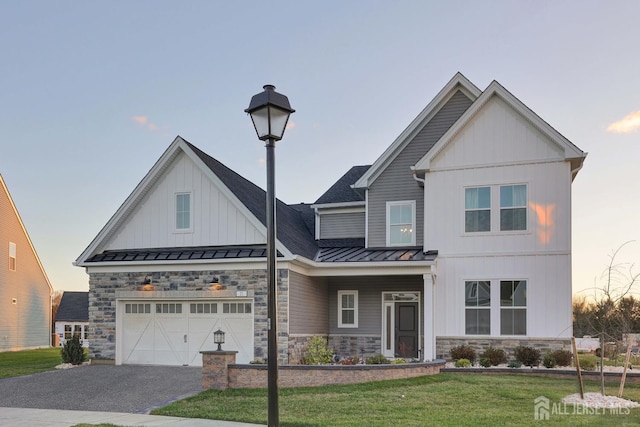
(215, 372)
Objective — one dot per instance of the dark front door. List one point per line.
(406, 329)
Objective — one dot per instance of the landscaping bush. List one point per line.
(548, 361)
(463, 352)
(528, 356)
(494, 356)
(350, 360)
(398, 361)
(514, 364)
(588, 364)
(563, 357)
(72, 351)
(463, 363)
(485, 362)
(318, 353)
(378, 359)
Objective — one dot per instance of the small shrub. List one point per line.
(258, 362)
(588, 364)
(398, 361)
(318, 353)
(72, 351)
(463, 363)
(350, 360)
(378, 359)
(495, 356)
(485, 362)
(528, 356)
(563, 357)
(463, 352)
(548, 361)
(514, 364)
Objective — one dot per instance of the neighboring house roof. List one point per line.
(74, 307)
(4, 188)
(342, 191)
(457, 83)
(571, 152)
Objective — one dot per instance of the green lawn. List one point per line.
(446, 399)
(17, 363)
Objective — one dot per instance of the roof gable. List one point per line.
(243, 195)
(10, 220)
(342, 191)
(457, 83)
(569, 150)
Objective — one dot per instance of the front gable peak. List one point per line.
(459, 83)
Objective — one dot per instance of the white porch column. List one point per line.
(429, 326)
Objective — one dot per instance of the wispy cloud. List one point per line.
(145, 123)
(630, 123)
(291, 124)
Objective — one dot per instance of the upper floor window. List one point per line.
(495, 208)
(513, 207)
(12, 256)
(347, 309)
(477, 209)
(183, 211)
(401, 223)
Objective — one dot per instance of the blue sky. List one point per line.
(92, 93)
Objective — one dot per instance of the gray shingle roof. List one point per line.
(74, 307)
(341, 191)
(291, 228)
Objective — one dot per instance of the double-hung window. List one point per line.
(513, 207)
(401, 223)
(513, 307)
(183, 211)
(477, 209)
(477, 307)
(347, 309)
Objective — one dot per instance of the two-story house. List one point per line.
(459, 233)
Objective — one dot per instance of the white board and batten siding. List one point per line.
(500, 147)
(215, 218)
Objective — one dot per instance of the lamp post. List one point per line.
(270, 112)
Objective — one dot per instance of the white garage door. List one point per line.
(174, 332)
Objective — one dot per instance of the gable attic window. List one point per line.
(401, 223)
(12, 256)
(183, 211)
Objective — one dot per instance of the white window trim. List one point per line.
(13, 257)
(175, 212)
(355, 309)
(494, 209)
(412, 203)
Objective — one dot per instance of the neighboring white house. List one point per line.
(72, 317)
(459, 233)
(25, 291)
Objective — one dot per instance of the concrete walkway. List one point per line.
(25, 417)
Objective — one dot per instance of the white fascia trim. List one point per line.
(355, 209)
(457, 82)
(338, 205)
(496, 89)
(389, 268)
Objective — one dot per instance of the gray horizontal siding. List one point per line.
(308, 305)
(396, 181)
(369, 300)
(342, 225)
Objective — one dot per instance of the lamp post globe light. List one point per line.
(269, 111)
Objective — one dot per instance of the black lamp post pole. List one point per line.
(272, 315)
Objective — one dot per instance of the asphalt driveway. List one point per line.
(110, 388)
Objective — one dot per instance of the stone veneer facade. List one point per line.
(444, 344)
(105, 288)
